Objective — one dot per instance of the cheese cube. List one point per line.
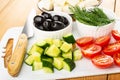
(66, 9)
(72, 2)
(57, 8)
(60, 2)
(89, 3)
(47, 4)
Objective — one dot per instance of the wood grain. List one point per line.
(17, 57)
(14, 13)
(117, 8)
(100, 77)
(8, 52)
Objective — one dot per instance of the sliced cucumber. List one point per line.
(35, 48)
(29, 60)
(69, 64)
(36, 66)
(66, 47)
(67, 55)
(58, 63)
(46, 58)
(49, 41)
(53, 51)
(77, 55)
(69, 38)
(36, 56)
(57, 42)
(42, 44)
(48, 67)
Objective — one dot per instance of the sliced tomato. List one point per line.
(103, 61)
(112, 48)
(91, 50)
(84, 41)
(102, 41)
(116, 34)
(116, 58)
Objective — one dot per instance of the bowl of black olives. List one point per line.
(52, 24)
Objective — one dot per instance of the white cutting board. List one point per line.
(84, 67)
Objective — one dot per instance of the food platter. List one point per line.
(84, 67)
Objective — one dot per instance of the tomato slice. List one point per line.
(116, 34)
(116, 58)
(102, 41)
(91, 50)
(112, 48)
(84, 41)
(102, 61)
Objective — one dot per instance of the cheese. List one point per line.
(66, 9)
(57, 8)
(89, 3)
(81, 4)
(47, 4)
(60, 2)
(72, 2)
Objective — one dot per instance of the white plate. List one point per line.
(84, 67)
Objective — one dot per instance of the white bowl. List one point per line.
(40, 34)
(96, 31)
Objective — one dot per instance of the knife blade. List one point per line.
(16, 60)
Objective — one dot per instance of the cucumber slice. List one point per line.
(57, 42)
(69, 64)
(53, 51)
(46, 58)
(35, 48)
(49, 41)
(48, 67)
(69, 38)
(67, 55)
(36, 56)
(66, 47)
(42, 44)
(58, 63)
(36, 66)
(29, 60)
(77, 54)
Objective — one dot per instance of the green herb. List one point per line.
(94, 17)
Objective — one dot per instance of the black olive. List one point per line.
(65, 21)
(38, 20)
(57, 25)
(57, 18)
(41, 27)
(46, 15)
(47, 24)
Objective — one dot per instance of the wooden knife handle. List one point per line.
(8, 52)
(17, 57)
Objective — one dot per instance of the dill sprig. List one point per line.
(94, 17)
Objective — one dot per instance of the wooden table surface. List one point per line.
(14, 13)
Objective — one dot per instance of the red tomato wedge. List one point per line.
(112, 48)
(91, 50)
(102, 41)
(116, 34)
(116, 58)
(102, 61)
(84, 41)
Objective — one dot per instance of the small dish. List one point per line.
(96, 31)
(41, 34)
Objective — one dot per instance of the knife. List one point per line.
(16, 60)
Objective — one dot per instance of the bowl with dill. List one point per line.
(93, 21)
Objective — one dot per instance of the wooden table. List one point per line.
(14, 13)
